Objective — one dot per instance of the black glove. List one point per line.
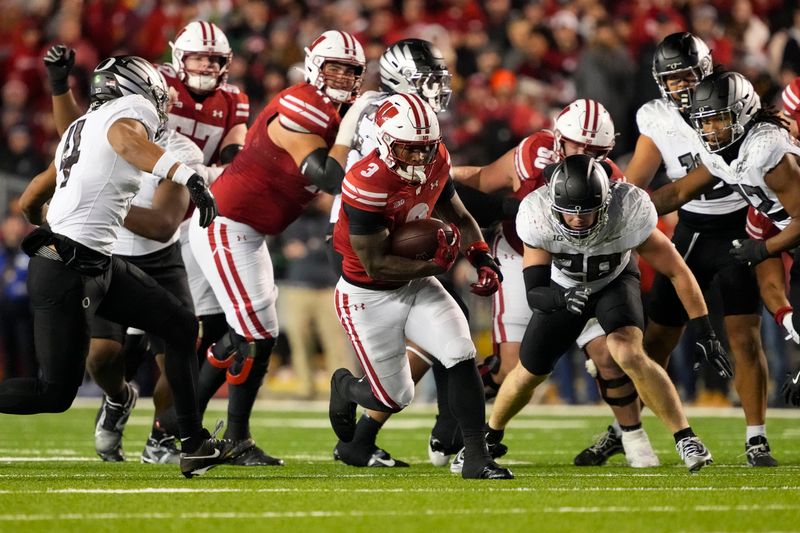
(575, 299)
(790, 390)
(203, 200)
(59, 61)
(749, 251)
(708, 349)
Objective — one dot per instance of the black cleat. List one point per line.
(372, 458)
(758, 452)
(254, 456)
(212, 452)
(607, 445)
(341, 411)
(488, 470)
(109, 425)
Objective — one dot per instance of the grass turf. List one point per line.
(50, 480)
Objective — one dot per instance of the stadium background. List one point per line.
(514, 65)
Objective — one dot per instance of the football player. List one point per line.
(382, 299)
(409, 66)
(751, 150)
(705, 228)
(579, 231)
(291, 152)
(73, 274)
(584, 126)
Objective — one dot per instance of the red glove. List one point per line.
(447, 252)
(489, 275)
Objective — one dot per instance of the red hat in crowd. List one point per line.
(791, 99)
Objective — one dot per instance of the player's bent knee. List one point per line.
(456, 350)
(403, 398)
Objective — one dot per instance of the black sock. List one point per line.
(122, 396)
(212, 328)
(631, 428)
(446, 429)
(367, 430)
(165, 423)
(466, 398)
(682, 434)
(493, 436)
(241, 399)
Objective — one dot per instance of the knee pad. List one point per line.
(250, 357)
(616, 383)
(222, 353)
(457, 350)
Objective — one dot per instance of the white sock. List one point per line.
(756, 431)
(617, 429)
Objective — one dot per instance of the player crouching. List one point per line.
(382, 299)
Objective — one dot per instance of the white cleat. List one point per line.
(694, 453)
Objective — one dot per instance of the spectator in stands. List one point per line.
(16, 319)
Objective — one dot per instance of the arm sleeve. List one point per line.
(364, 222)
(540, 294)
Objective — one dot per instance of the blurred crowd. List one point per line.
(514, 63)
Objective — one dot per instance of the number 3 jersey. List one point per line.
(761, 150)
(600, 259)
(94, 184)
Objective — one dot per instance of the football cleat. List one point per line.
(758, 452)
(607, 444)
(212, 452)
(377, 458)
(161, 451)
(109, 425)
(495, 450)
(638, 450)
(437, 453)
(490, 470)
(694, 453)
(254, 456)
(341, 411)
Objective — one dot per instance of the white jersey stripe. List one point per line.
(292, 125)
(303, 112)
(365, 202)
(321, 114)
(362, 192)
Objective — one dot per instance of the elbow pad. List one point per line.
(323, 171)
(540, 294)
(227, 154)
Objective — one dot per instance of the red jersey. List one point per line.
(263, 187)
(209, 120)
(531, 156)
(371, 186)
(759, 226)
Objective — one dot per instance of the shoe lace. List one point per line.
(217, 428)
(602, 440)
(691, 446)
(756, 450)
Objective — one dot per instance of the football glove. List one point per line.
(783, 317)
(575, 299)
(59, 61)
(202, 199)
(790, 391)
(749, 251)
(708, 349)
(489, 275)
(447, 252)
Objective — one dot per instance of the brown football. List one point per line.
(417, 239)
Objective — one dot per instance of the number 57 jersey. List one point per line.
(596, 261)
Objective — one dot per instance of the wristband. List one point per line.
(782, 312)
(164, 165)
(182, 174)
(701, 326)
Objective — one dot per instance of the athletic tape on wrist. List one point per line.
(164, 165)
(182, 174)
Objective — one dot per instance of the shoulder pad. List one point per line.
(534, 153)
(304, 109)
(363, 188)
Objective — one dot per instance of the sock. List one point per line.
(122, 396)
(493, 436)
(165, 423)
(631, 428)
(617, 428)
(682, 434)
(367, 430)
(756, 431)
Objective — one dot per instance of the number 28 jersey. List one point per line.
(599, 260)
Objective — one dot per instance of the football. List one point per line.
(417, 239)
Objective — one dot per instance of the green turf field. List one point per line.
(50, 480)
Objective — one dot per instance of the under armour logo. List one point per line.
(434, 185)
(356, 307)
(240, 238)
(216, 113)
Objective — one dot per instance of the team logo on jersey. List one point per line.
(217, 113)
(418, 211)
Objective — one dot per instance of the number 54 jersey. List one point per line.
(596, 261)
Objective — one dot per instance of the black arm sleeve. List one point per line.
(487, 209)
(540, 294)
(323, 171)
(364, 222)
(227, 154)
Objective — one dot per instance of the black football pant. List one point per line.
(63, 302)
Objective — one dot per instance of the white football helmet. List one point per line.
(408, 136)
(588, 123)
(206, 39)
(337, 47)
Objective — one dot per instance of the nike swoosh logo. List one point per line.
(384, 462)
(216, 454)
(796, 378)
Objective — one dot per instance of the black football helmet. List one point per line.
(680, 53)
(579, 185)
(728, 96)
(120, 76)
(415, 66)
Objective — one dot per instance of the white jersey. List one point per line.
(94, 185)
(762, 149)
(631, 220)
(130, 244)
(364, 143)
(680, 148)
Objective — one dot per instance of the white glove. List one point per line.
(787, 323)
(349, 123)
